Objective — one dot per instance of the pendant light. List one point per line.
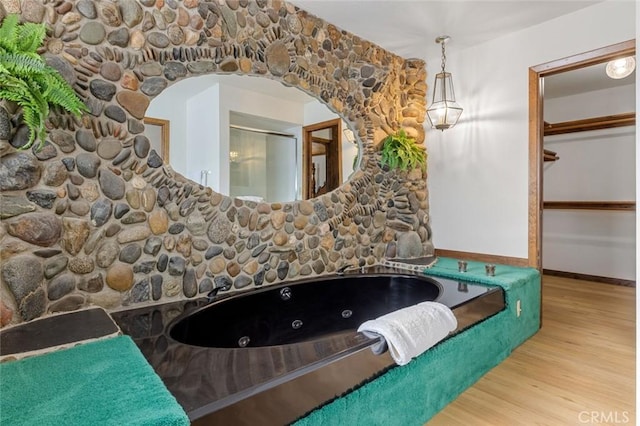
(444, 110)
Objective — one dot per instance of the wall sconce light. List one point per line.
(444, 111)
(233, 156)
(349, 136)
(621, 68)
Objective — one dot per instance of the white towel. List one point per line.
(410, 331)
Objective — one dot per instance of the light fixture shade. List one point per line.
(621, 68)
(444, 111)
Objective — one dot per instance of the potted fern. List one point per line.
(27, 80)
(400, 151)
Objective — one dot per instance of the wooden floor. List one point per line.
(579, 369)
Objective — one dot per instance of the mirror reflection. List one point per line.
(254, 138)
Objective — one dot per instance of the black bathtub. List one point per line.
(255, 352)
(302, 311)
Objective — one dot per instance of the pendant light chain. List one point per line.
(444, 57)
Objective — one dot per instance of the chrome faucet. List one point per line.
(340, 270)
(213, 293)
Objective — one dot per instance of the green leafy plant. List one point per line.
(400, 151)
(27, 80)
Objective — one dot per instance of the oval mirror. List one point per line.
(251, 138)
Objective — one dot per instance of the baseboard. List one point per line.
(586, 277)
(482, 257)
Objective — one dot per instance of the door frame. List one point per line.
(336, 127)
(536, 129)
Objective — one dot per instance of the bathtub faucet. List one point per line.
(343, 268)
(340, 270)
(213, 293)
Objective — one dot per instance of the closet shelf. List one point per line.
(595, 123)
(590, 205)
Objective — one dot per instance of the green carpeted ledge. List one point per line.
(106, 382)
(412, 394)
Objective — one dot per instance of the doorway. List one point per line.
(537, 132)
(322, 158)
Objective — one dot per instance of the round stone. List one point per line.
(81, 264)
(158, 222)
(133, 233)
(107, 253)
(120, 277)
(409, 245)
(109, 148)
(101, 212)
(111, 71)
(131, 13)
(130, 253)
(61, 286)
(158, 39)
(79, 207)
(67, 304)
(153, 86)
(112, 185)
(148, 199)
(219, 230)
(87, 9)
(175, 35)
(92, 32)
(116, 113)
(189, 283)
(89, 191)
(138, 40)
(43, 198)
(19, 171)
(278, 60)
(23, 275)
(42, 229)
(174, 70)
(141, 146)
(92, 285)
(119, 37)
(135, 103)
(151, 69)
(102, 90)
(54, 174)
(47, 152)
(87, 164)
(217, 265)
(86, 140)
(241, 282)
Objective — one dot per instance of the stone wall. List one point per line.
(95, 217)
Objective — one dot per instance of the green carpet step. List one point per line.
(414, 393)
(106, 382)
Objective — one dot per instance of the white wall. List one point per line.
(202, 143)
(177, 127)
(478, 171)
(593, 166)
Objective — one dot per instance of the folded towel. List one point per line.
(408, 332)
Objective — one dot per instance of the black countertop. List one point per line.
(204, 380)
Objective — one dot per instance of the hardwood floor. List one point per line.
(579, 369)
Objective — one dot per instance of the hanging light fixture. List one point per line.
(444, 110)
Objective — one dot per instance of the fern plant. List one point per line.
(400, 151)
(27, 80)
